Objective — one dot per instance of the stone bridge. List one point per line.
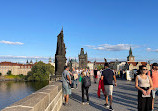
(124, 98)
(50, 98)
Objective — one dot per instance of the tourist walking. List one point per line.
(72, 79)
(75, 75)
(95, 75)
(154, 76)
(66, 82)
(85, 84)
(108, 76)
(144, 85)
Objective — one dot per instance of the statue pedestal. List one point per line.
(59, 65)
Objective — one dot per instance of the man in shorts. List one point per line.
(154, 76)
(66, 82)
(108, 76)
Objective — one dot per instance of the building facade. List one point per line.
(15, 68)
(131, 64)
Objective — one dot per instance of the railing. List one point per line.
(48, 98)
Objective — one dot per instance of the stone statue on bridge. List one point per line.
(60, 58)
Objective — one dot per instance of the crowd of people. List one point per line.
(146, 82)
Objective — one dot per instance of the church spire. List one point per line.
(130, 52)
(130, 58)
(27, 62)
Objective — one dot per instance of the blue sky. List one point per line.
(104, 28)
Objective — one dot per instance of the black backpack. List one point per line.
(86, 81)
(151, 73)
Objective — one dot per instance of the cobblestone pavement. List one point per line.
(124, 98)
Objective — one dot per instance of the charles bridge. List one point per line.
(50, 98)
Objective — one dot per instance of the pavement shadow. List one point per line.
(77, 98)
(127, 103)
(124, 93)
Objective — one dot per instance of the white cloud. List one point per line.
(108, 47)
(149, 49)
(89, 46)
(152, 50)
(92, 59)
(22, 57)
(12, 43)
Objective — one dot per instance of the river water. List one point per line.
(11, 91)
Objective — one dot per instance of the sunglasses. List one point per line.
(144, 69)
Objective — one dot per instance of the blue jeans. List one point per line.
(75, 82)
(154, 92)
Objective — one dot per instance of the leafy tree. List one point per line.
(9, 72)
(40, 72)
(99, 67)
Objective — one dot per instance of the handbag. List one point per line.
(80, 79)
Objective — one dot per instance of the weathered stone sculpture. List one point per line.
(82, 59)
(60, 58)
(70, 64)
(105, 60)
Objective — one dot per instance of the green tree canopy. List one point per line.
(99, 67)
(40, 72)
(9, 72)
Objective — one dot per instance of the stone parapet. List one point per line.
(48, 98)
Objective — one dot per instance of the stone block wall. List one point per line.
(48, 98)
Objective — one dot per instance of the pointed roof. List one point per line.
(27, 62)
(130, 53)
(31, 61)
(82, 51)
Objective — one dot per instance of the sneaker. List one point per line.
(111, 108)
(106, 105)
(83, 103)
(67, 104)
(87, 102)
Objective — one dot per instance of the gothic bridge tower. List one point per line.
(82, 59)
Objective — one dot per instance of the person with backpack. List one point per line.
(108, 76)
(153, 73)
(85, 84)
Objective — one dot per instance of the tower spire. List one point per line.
(62, 29)
(130, 51)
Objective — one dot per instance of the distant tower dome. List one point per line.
(50, 60)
